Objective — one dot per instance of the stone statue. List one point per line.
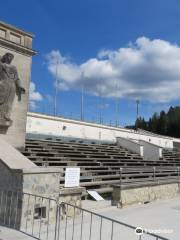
(10, 85)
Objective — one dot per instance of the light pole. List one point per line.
(117, 112)
(56, 90)
(82, 103)
(117, 102)
(137, 111)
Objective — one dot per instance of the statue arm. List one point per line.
(1, 66)
(19, 89)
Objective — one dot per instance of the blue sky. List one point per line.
(132, 46)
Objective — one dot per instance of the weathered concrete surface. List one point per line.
(10, 234)
(130, 145)
(13, 158)
(151, 151)
(39, 182)
(19, 174)
(54, 126)
(71, 196)
(136, 195)
(162, 214)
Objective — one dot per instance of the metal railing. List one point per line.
(47, 219)
(145, 175)
(80, 224)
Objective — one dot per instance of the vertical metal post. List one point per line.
(117, 112)
(154, 174)
(1, 205)
(82, 103)
(56, 223)
(90, 228)
(59, 221)
(137, 111)
(49, 203)
(27, 212)
(40, 223)
(55, 96)
(100, 111)
(16, 210)
(73, 222)
(178, 173)
(10, 208)
(6, 205)
(112, 230)
(81, 225)
(117, 104)
(66, 223)
(101, 229)
(121, 169)
(33, 215)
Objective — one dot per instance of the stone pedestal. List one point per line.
(72, 196)
(28, 196)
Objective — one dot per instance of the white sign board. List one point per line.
(72, 177)
(95, 195)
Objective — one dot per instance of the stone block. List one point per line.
(71, 196)
(123, 197)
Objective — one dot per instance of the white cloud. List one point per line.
(49, 98)
(147, 69)
(34, 96)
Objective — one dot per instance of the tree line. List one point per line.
(162, 123)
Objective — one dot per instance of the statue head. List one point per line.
(7, 58)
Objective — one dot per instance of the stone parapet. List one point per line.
(71, 196)
(124, 196)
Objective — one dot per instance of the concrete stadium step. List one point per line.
(100, 163)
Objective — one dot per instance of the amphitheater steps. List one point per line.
(100, 163)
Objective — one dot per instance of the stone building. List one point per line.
(19, 43)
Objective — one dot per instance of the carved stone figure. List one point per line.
(10, 85)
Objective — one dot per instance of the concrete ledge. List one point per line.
(12, 158)
(39, 170)
(74, 190)
(124, 196)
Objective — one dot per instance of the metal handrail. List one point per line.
(102, 218)
(46, 218)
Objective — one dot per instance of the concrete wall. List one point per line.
(19, 175)
(151, 151)
(130, 196)
(18, 205)
(130, 145)
(176, 144)
(17, 172)
(42, 181)
(10, 179)
(55, 126)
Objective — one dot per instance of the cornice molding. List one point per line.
(15, 29)
(17, 47)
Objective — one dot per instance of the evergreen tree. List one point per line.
(163, 123)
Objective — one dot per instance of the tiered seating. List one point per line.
(172, 155)
(100, 163)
